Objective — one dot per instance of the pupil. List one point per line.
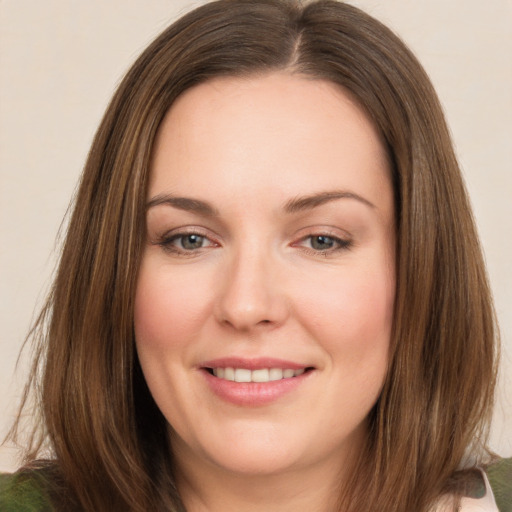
(322, 242)
(192, 242)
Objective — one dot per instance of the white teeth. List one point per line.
(260, 375)
(242, 375)
(275, 374)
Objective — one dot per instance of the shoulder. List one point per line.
(500, 479)
(479, 490)
(24, 491)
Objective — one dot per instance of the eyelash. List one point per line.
(166, 242)
(340, 244)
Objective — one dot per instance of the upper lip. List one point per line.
(252, 363)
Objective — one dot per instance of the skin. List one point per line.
(259, 283)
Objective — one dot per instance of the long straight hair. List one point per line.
(107, 437)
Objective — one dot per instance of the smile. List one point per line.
(259, 375)
(254, 382)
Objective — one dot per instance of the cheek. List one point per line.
(169, 311)
(169, 307)
(352, 315)
(351, 307)
(351, 318)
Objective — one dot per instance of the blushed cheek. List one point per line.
(166, 313)
(353, 316)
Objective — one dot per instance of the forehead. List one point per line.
(283, 132)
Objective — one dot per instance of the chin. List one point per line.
(246, 448)
(256, 461)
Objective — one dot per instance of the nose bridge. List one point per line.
(250, 294)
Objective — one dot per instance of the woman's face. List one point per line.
(269, 260)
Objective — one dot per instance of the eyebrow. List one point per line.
(294, 205)
(302, 203)
(184, 203)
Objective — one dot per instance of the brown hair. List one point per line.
(107, 437)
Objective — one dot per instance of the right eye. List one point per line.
(185, 243)
(189, 242)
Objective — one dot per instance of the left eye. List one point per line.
(325, 243)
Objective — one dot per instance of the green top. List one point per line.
(500, 478)
(25, 492)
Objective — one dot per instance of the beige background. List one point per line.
(60, 61)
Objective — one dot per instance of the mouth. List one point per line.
(259, 375)
(254, 382)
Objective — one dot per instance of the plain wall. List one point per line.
(60, 61)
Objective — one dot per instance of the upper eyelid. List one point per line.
(167, 243)
(324, 230)
(326, 235)
(177, 236)
(183, 231)
(307, 232)
(337, 239)
(172, 234)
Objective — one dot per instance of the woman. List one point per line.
(271, 293)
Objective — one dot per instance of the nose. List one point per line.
(251, 292)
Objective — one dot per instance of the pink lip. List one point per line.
(252, 394)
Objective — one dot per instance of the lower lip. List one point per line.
(253, 394)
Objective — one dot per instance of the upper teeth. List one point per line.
(261, 375)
